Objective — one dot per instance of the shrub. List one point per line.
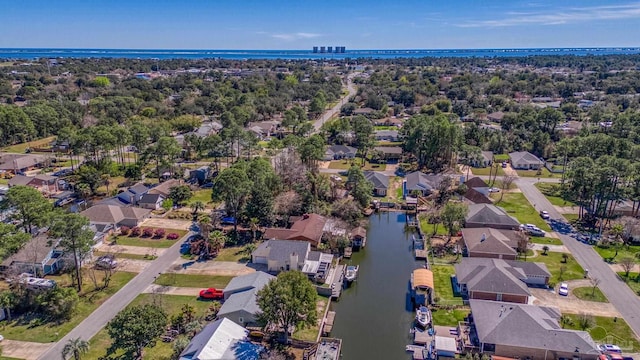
(159, 233)
(124, 230)
(135, 231)
(173, 236)
(147, 232)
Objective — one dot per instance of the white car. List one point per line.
(544, 214)
(494, 190)
(564, 289)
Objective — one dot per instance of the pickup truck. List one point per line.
(211, 294)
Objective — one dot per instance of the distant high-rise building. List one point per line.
(315, 49)
(342, 49)
(329, 49)
(323, 49)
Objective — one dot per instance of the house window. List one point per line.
(499, 297)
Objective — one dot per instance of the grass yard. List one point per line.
(517, 205)
(553, 193)
(545, 240)
(443, 287)
(90, 299)
(587, 293)
(346, 164)
(446, 317)
(203, 195)
(124, 255)
(171, 304)
(553, 260)
(534, 173)
(115, 182)
(609, 252)
(195, 281)
(310, 333)
(606, 329)
(148, 242)
(234, 253)
(20, 148)
(633, 281)
(500, 157)
(485, 171)
(428, 228)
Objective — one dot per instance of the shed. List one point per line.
(445, 346)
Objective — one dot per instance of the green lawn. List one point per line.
(609, 252)
(500, 157)
(517, 205)
(171, 305)
(114, 183)
(310, 333)
(443, 287)
(203, 195)
(445, 317)
(399, 193)
(427, 228)
(553, 193)
(148, 242)
(190, 280)
(571, 217)
(633, 281)
(607, 329)
(545, 240)
(485, 171)
(234, 253)
(553, 260)
(587, 293)
(90, 299)
(20, 148)
(346, 164)
(544, 173)
(123, 255)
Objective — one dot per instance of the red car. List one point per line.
(211, 294)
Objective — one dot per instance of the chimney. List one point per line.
(483, 237)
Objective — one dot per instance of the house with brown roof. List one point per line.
(17, 163)
(490, 243)
(165, 187)
(496, 116)
(46, 184)
(309, 227)
(116, 216)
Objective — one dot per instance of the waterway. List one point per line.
(374, 315)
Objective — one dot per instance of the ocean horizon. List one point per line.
(36, 53)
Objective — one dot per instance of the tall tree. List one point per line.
(287, 301)
(11, 240)
(453, 215)
(135, 328)
(361, 188)
(76, 348)
(432, 140)
(232, 186)
(31, 208)
(75, 238)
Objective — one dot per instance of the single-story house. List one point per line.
(485, 160)
(390, 152)
(46, 184)
(116, 216)
(527, 331)
(489, 215)
(222, 340)
(386, 135)
(240, 298)
(309, 227)
(499, 280)
(337, 152)
(423, 183)
(36, 257)
(208, 128)
(133, 194)
(490, 243)
(263, 129)
(363, 111)
(379, 181)
(496, 116)
(151, 201)
(285, 255)
(164, 188)
(200, 174)
(474, 196)
(18, 163)
(524, 160)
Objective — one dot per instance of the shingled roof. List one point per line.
(490, 241)
(490, 216)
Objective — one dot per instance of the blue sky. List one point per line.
(301, 24)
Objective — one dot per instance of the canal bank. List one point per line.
(374, 315)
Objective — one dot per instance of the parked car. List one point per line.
(106, 262)
(211, 294)
(544, 214)
(536, 232)
(494, 190)
(504, 164)
(564, 289)
(610, 348)
(527, 227)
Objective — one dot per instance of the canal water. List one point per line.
(374, 315)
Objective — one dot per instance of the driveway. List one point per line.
(571, 304)
(90, 326)
(172, 290)
(132, 265)
(223, 268)
(619, 294)
(167, 223)
(24, 349)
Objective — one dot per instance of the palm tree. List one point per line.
(106, 180)
(254, 224)
(75, 347)
(204, 223)
(197, 206)
(216, 241)
(545, 249)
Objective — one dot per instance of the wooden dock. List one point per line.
(421, 254)
(328, 323)
(338, 281)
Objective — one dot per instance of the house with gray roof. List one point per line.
(499, 280)
(379, 181)
(39, 256)
(485, 160)
(285, 255)
(151, 201)
(221, 340)
(386, 135)
(524, 160)
(116, 216)
(240, 298)
(390, 152)
(420, 182)
(491, 216)
(490, 243)
(337, 152)
(520, 331)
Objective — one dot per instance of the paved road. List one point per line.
(110, 308)
(618, 293)
(351, 89)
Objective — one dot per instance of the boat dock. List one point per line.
(338, 281)
(418, 351)
(328, 323)
(348, 251)
(419, 248)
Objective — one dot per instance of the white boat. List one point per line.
(351, 274)
(423, 316)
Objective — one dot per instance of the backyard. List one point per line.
(27, 329)
(203, 195)
(310, 333)
(235, 254)
(449, 317)
(608, 329)
(191, 280)
(553, 193)
(555, 263)
(517, 205)
(443, 286)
